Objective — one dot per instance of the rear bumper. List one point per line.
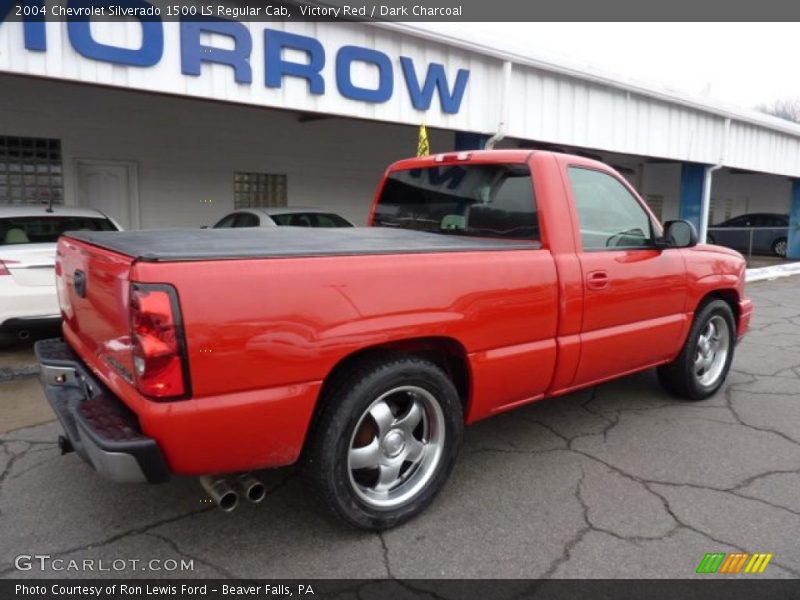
(101, 429)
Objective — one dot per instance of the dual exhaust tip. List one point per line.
(225, 492)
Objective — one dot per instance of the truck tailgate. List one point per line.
(93, 293)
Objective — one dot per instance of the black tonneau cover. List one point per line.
(167, 245)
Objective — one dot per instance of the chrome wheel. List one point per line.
(712, 350)
(396, 447)
(780, 248)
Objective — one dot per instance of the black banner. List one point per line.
(391, 589)
(399, 10)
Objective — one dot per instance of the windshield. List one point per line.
(46, 229)
(485, 200)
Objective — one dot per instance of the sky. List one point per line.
(742, 64)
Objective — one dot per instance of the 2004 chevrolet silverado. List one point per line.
(487, 280)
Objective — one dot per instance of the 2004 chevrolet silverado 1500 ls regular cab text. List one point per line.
(487, 280)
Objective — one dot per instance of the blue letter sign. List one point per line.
(275, 41)
(193, 53)
(80, 35)
(345, 58)
(435, 78)
(34, 32)
(309, 66)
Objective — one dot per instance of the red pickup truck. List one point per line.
(487, 280)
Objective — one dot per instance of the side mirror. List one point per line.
(679, 234)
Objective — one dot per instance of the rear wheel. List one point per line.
(704, 362)
(779, 247)
(385, 442)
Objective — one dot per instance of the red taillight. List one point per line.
(159, 349)
(4, 268)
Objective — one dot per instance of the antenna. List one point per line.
(49, 208)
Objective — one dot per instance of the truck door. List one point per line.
(634, 293)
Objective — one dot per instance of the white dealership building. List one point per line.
(163, 123)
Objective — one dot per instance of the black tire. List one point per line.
(344, 407)
(679, 376)
(779, 247)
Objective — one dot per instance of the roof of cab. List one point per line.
(520, 155)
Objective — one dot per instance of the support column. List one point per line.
(691, 200)
(466, 140)
(793, 246)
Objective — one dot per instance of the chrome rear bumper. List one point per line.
(100, 428)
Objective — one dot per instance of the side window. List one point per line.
(744, 221)
(775, 221)
(282, 219)
(610, 216)
(246, 220)
(226, 221)
(301, 220)
(324, 220)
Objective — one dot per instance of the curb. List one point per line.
(773, 272)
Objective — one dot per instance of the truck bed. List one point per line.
(169, 245)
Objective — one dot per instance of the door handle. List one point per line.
(597, 280)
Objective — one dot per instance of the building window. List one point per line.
(254, 190)
(30, 171)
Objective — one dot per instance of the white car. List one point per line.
(28, 235)
(292, 216)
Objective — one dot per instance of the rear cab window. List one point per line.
(478, 200)
(46, 229)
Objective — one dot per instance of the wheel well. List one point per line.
(729, 296)
(446, 353)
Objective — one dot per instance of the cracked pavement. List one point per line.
(620, 480)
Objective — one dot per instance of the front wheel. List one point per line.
(779, 247)
(704, 362)
(385, 441)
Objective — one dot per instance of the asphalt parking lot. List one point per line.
(617, 481)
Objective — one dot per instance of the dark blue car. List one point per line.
(754, 233)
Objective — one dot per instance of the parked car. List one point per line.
(28, 238)
(271, 217)
(769, 233)
(487, 281)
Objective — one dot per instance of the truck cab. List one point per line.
(486, 280)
